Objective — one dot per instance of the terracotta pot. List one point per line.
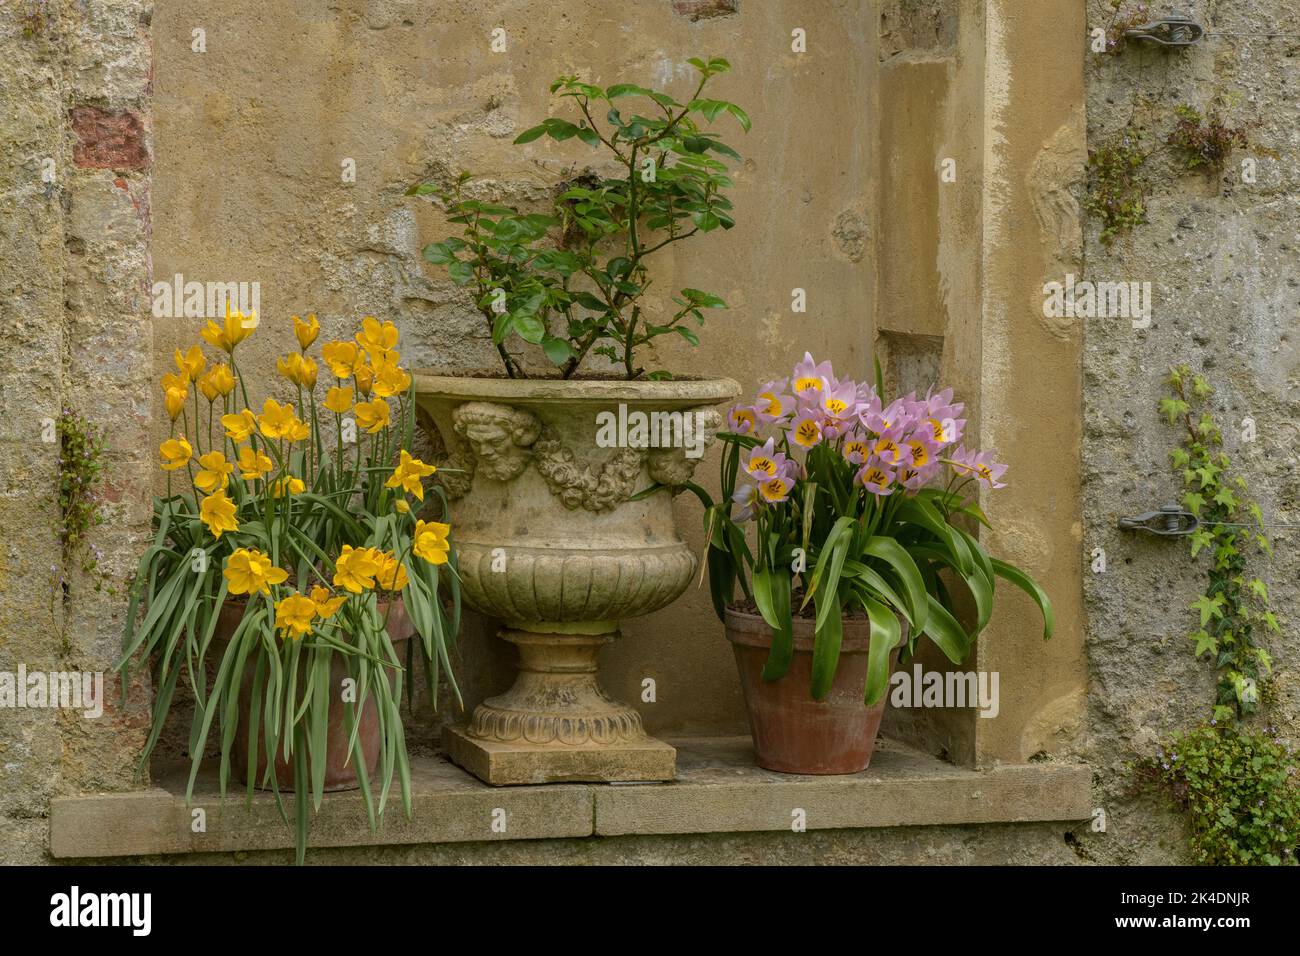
(340, 773)
(792, 732)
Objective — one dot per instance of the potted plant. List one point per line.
(559, 463)
(856, 509)
(289, 571)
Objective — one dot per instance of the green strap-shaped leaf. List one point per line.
(886, 634)
(1030, 587)
(901, 563)
(826, 642)
(772, 595)
(943, 629)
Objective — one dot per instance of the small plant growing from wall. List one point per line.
(81, 466)
(1238, 788)
(1123, 18)
(1117, 188)
(1205, 141)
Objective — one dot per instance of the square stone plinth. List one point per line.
(519, 762)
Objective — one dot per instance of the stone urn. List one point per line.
(540, 474)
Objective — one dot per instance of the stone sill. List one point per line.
(718, 790)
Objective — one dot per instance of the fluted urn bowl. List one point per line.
(557, 540)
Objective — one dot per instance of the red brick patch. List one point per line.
(108, 139)
(705, 9)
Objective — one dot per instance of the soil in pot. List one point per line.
(340, 772)
(792, 732)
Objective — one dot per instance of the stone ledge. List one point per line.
(717, 790)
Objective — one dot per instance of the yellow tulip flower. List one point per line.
(298, 369)
(341, 357)
(326, 604)
(294, 615)
(192, 363)
(390, 380)
(215, 471)
(408, 473)
(253, 464)
(430, 541)
(365, 376)
(402, 506)
(355, 569)
(174, 400)
(239, 425)
(287, 485)
(391, 575)
(306, 332)
(249, 571)
(339, 400)
(276, 420)
(377, 339)
(176, 454)
(373, 416)
(218, 513)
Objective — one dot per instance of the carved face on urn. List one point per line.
(499, 436)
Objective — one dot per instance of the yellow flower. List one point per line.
(234, 330)
(430, 541)
(326, 606)
(306, 331)
(218, 513)
(372, 416)
(341, 357)
(276, 420)
(390, 380)
(252, 571)
(191, 363)
(176, 380)
(253, 464)
(174, 400)
(377, 339)
(298, 369)
(287, 485)
(402, 506)
(176, 453)
(207, 384)
(294, 615)
(239, 426)
(215, 471)
(222, 379)
(339, 400)
(355, 569)
(408, 473)
(365, 376)
(391, 575)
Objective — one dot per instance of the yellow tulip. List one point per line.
(341, 357)
(176, 454)
(216, 381)
(408, 473)
(287, 485)
(249, 572)
(276, 420)
(174, 400)
(218, 513)
(192, 363)
(373, 416)
(239, 425)
(390, 380)
(326, 605)
(365, 376)
(339, 400)
(391, 575)
(177, 381)
(402, 506)
(298, 369)
(355, 569)
(294, 615)
(231, 332)
(377, 339)
(306, 332)
(430, 541)
(253, 464)
(215, 471)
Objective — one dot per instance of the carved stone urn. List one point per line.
(540, 474)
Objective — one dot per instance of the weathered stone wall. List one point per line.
(74, 312)
(1223, 258)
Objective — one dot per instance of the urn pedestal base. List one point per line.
(556, 724)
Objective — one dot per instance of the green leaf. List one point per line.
(942, 628)
(826, 642)
(1029, 586)
(772, 595)
(557, 350)
(528, 135)
(900, 562)
(1208, 607)
(886, 634)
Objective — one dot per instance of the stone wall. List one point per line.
(1223, 257)
(74, 266)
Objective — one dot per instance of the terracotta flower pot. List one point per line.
(792, 732)
(340, 772)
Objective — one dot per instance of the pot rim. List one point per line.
(702, 391)
(752, 631)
